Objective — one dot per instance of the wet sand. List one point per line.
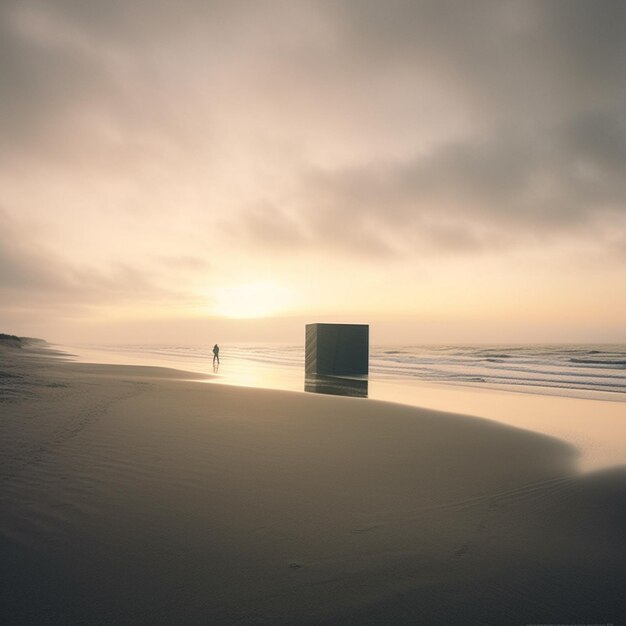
(593, 422)
(137, 495)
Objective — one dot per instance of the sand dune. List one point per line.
(132, 495)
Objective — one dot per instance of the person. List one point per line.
(216, 354)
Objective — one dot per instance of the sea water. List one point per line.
(569, 370)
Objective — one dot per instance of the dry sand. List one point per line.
(133, 495)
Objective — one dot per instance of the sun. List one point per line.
(251, 300)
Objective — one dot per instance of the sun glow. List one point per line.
(252, 300)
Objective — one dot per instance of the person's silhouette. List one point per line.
(216, 354)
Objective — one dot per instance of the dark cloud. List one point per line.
(485, 191)
(528, 58)
(543, 85)
(499, 54)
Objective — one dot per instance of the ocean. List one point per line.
(595, 371)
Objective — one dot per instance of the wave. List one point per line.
(560, 367)
(600, 362)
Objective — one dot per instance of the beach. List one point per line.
(140, 495)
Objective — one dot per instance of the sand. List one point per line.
(143, 495)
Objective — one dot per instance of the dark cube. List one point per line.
(337, 349)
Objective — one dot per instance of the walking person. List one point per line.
(216, 354)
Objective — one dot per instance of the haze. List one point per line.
(203, 170)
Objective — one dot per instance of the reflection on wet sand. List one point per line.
(336, 385)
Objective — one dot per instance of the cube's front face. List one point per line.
(337, 349)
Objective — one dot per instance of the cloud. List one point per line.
(490, 125)
(160, 142)
(489, 192)
(32, 274)
(25, 268)
(268, 225)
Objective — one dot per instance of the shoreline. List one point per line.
(599, 440)
(132, 497)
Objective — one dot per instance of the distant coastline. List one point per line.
(13, 341)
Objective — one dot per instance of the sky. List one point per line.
(203, 170)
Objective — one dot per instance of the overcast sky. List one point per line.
(450, 171)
